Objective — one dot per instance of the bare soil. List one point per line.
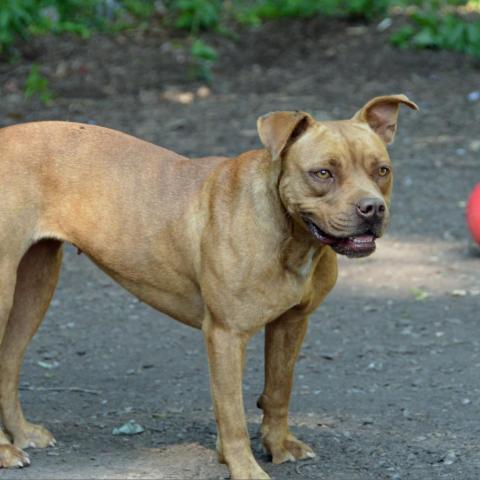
(387, 386)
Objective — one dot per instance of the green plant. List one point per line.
(256, 11)
(433, 28)
(366, 9)
(253, 12)
(204, 57)
(20, 19)
(196, 15)
(16, 16)
(37, 85)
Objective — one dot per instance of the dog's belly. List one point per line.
(178, 297)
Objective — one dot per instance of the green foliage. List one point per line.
(37, 85)
(366, 9)
(273, 9)
(20, 19)
(253, 12)
(432, 23)
(431, 27)
(142, 9)
(196, 15)
(204, 57)
(15, 18)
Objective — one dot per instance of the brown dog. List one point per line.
(226, 245)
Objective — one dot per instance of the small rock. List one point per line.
(129, 428)
(474, 146)
(375, 366)
(407, 181)
(203, 92)
(385, 24)
(449, 458)
(48, 365)
(474, 96)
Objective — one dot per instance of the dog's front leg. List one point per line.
(11, 456)
(283, 339)
(226, 355)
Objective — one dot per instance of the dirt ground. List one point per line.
(387, 386)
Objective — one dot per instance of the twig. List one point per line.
(299, 466)
(59, 389)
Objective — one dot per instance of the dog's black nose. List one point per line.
(371, 209)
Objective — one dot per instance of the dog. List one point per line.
(225, 245)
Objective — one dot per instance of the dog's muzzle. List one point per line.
(359, 245)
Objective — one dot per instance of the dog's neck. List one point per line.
(298, 248)
(299, 251)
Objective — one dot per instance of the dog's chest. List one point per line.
(301, 263)
(305, 267)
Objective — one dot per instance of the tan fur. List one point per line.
(216, 243)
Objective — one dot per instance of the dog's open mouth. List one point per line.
(354, 246)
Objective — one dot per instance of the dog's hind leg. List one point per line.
(37, 277)
(10, 456)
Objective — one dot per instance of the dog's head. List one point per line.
(336, 176)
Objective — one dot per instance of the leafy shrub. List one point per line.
(433, 23)
(16, 16)
(431, 27)
(204, 57)
(19, 19)
(196, 15)
(37, 85)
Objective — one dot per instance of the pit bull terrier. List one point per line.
(225, 245)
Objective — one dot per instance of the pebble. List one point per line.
(450, 458)
(385, 24)
(129, 428)
(474, 96)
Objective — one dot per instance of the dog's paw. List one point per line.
(252, 471)
(290, 449)
(13, 457)
(34, 436)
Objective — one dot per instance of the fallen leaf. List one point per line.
(48, 365)
(419, 294)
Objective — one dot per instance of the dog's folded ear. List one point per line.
(278, 130)
(381, 114)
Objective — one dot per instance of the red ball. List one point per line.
(473, 213)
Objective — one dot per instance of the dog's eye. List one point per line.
(323, 174)
(383, 171)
